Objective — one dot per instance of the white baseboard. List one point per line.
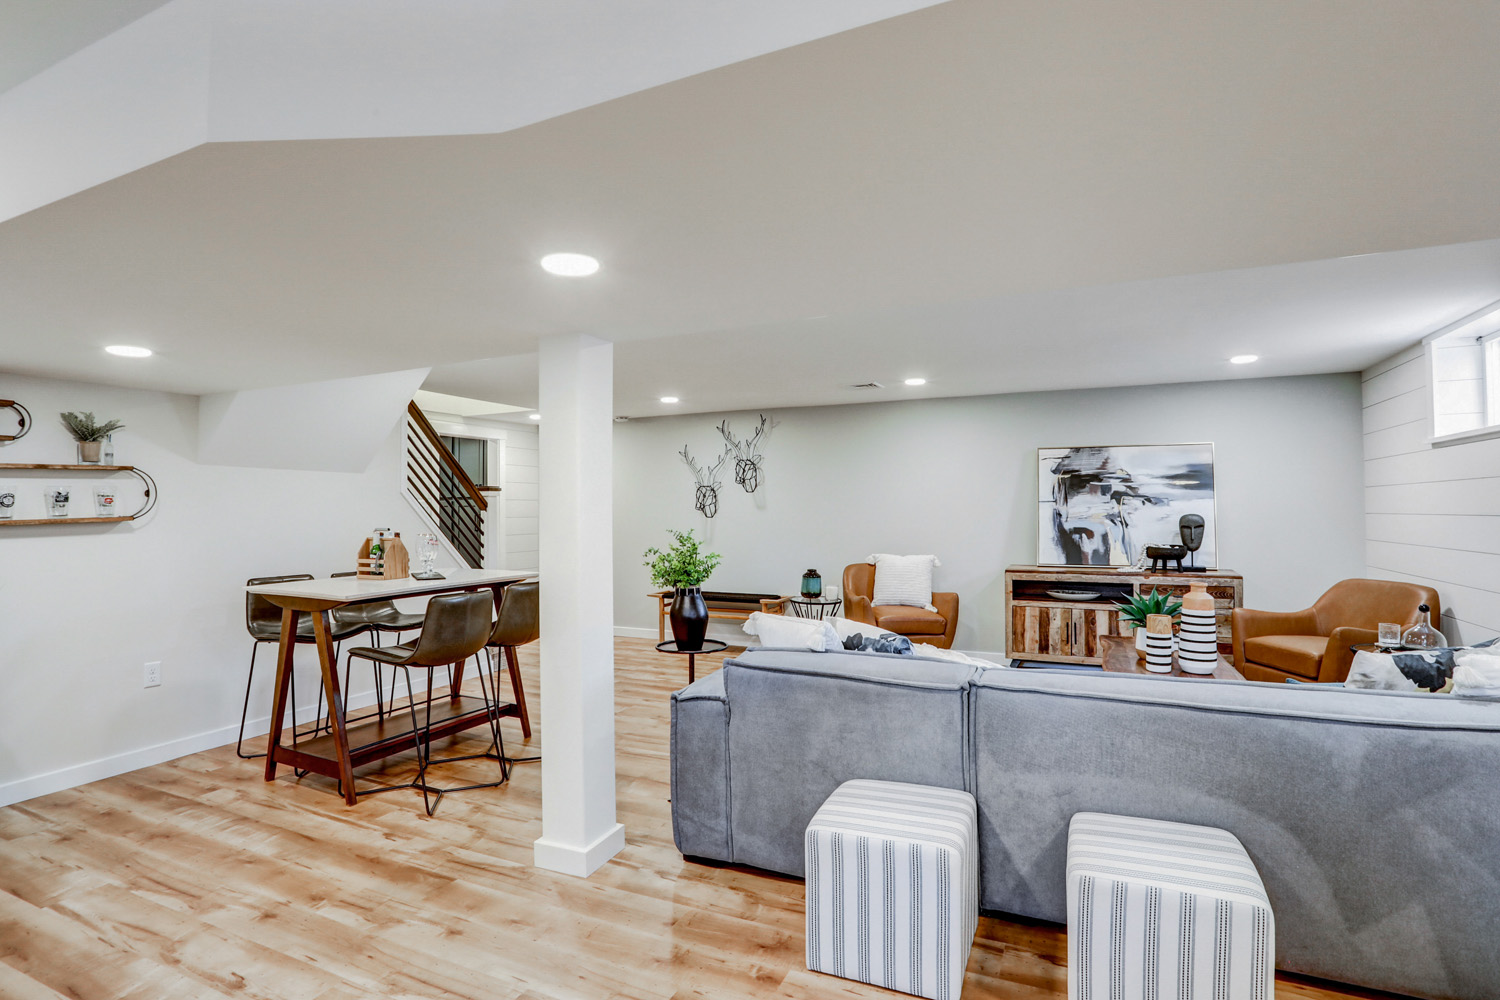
(630, 632)
(581, 861)
(74, 775)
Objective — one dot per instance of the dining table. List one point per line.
(343, 748)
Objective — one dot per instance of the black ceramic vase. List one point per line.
(689, 617)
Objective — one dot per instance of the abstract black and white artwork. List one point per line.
(1102, 505)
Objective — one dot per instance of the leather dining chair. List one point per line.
(263, 622)
(518, 623)
(380, 617)
(455, 627)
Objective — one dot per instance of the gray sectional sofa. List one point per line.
(1373, 817)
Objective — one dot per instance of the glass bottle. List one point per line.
(109, 449)
(1422, 635)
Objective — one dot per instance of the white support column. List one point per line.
(579, 832)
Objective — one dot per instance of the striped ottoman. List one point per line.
(1164, 911)
(893, 886)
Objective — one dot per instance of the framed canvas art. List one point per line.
(1101, 505)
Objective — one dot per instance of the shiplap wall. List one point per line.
(1432, 515)
(520, 497)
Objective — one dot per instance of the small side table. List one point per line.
(816, 608)
(709, 646)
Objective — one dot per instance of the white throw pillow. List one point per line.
(905, 580)
(1476, 675)
(786, 631)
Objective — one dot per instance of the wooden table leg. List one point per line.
(322, 632)
(691, 658)
(284, 654)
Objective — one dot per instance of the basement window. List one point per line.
(1464, 375)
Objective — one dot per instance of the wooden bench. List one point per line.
(722, 605)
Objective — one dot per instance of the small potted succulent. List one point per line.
(1137, 607)
(89, 434)
(684, 568)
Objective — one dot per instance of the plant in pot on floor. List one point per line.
(1137, 607)
(89, 434)
(684, 567)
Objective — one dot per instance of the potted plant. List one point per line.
(1135, 609)
(684, 567)
(89, 434)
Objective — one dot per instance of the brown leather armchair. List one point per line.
(1313, 645)
(917, 624)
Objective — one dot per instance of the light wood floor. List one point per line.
(196, 879)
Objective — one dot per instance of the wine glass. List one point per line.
(427, 548)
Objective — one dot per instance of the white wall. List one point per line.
(1432, 515)
(84, 607)
(957, 477)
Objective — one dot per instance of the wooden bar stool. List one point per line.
(456, 627)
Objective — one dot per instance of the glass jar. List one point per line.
(1422, 635)
(812, 585)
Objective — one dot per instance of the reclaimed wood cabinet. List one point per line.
(1039, 625)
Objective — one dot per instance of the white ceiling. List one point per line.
(1325, 316)
(35, 34)
(999, 197)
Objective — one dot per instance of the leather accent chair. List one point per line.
(1313, 644)
(455, 627)
(917, 624)
(519, 622)
(263, 622)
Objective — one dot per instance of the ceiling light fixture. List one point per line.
(1244, 359)
(916, 381)
(669, 399)
(570, 265)
(534, 416)
(127, 351)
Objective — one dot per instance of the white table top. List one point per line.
(354, 589)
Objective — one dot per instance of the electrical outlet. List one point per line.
(153, 674)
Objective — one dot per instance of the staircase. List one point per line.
(442, 491)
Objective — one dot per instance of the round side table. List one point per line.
(709, 646)
(815, 607)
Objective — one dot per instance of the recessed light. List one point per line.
(1244, 359)
(534, 416)
(570, 265)
(669, 399)
(127, 351)
(916, 381)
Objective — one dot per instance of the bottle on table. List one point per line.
(1422, 635)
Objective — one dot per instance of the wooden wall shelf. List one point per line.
(145, 477)
(64, 520)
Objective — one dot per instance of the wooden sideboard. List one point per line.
(1041, 627)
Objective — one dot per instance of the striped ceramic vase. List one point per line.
(1198, 640)
(1159, 644)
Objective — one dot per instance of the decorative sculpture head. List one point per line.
(1191, 528)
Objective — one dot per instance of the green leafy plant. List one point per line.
(683, 564)
(84, 427)
(1135, 608)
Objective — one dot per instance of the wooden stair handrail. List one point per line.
(449, 462)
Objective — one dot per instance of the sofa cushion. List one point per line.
(1296, 654)
(908, 621)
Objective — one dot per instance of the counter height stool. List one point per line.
(263, 622)
(455, 627)
(519, 623)
(378, 617)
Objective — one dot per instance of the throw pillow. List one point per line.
(878, 642)
(788, 632)
(904, 580)
(1430, 670)
(1476, 674)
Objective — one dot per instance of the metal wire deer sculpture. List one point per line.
(747, 456)
(706, 496)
